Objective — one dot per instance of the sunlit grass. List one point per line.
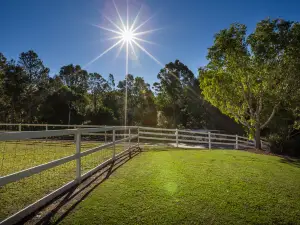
(19, 155)
(196, 187)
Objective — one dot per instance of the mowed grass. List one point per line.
(195, 187)
(19, 155)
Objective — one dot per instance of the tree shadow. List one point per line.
(291, 161)
(60, 207)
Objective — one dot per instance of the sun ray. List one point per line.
(143, 40)
(132, 48)
(146, 32)
(127, 18)
(142, 24)
(114, 38)
(158, 62)
(120, 48)
(103, 53)
(125, 116)
(113, 23)
(108, 29)
(148, 53)
(135, 19)
(119, 15)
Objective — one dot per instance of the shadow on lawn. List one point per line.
(291, 161)
(59, 208)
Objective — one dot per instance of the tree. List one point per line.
(3, 102)
(111, 81)
(14, 95)
(74, 77)
(64, 107)
(178, 97)
(36, 81)
(97, 87)
(250, 77)
(76, 80)
(141, 108)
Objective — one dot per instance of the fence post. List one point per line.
(236, 141)
(46, 126)
(176, 138)
(78, 158)
(138, 130)
(105, 138)
(114, 144)
(129, 136)
(209, 140)
(20, 127)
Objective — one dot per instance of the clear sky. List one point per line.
(62, 31)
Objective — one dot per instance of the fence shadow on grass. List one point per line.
(291, 161)
(60, 207)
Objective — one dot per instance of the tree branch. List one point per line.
(248, 100)
(270, 117)
(260, 106)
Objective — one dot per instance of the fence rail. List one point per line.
(114, 136)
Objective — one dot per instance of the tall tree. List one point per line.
(178, 96)
(97, 86)
(141, 109)
(36, 79)
(76, 79)
(14, 95)
(111, 81)
(249, 77)
(3, 101)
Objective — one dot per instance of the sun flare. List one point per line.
(127, 36)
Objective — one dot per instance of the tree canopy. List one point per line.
(250, 77)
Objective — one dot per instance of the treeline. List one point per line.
(75, 96)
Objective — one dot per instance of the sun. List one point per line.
(127, 35)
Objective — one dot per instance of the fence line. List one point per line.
(174, 136)
(246, 143)
(77, 156)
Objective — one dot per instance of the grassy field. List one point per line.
(196, 187)
(20, 155)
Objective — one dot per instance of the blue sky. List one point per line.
(62, 31)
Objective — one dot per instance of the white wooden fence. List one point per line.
(78, 155)
(208, 138)
(194, 138)
(150, 135)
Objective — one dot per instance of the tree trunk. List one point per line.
(69, 115)
(257, 137)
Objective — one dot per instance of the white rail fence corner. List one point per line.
(111, 138)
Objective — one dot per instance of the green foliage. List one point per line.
(76, 96)
(178, 97)
(250, 77)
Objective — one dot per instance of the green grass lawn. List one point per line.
(195, 187)
(19, 155)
